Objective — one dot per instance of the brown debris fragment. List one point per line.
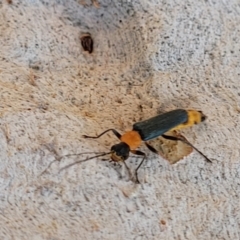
(87, 42)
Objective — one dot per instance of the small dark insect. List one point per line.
(9, 1)
(87, 42)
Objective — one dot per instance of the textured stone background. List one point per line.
(159, 55)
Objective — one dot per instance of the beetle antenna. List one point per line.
(69, 155)
(81, 161)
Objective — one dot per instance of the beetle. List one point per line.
(146, 130)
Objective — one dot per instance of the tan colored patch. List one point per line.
(172, 151)
(95, 3)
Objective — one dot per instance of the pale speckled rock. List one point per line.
(149, 57)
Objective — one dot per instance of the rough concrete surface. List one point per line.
(149, 57)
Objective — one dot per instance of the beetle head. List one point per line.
(120, 152)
